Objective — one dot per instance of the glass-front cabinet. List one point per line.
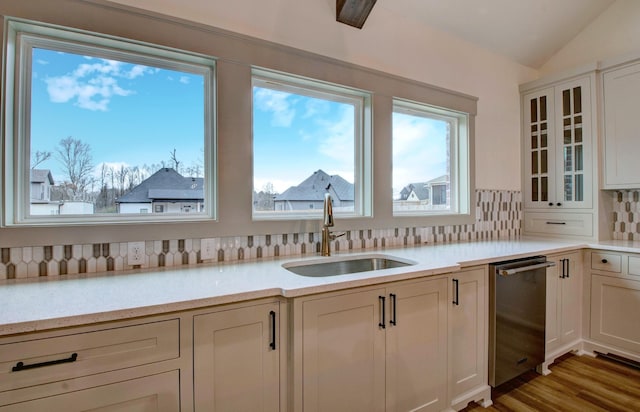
(557, 158)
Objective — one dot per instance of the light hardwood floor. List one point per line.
(577, 383)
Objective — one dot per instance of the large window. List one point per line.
(105, 130)
(309, 138)
(430, 160)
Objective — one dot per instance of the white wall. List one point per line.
(390, 43)
(615, 33)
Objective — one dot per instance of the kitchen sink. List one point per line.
(346, 265)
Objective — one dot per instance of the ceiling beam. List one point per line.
(353, 12)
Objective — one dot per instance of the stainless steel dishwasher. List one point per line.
(517, 305)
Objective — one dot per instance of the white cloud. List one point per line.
(277, 103)
(339, 144)
(42, 62)
(419, 150)
(184, 80)
(92, 85)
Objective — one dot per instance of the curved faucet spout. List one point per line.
(327, 220)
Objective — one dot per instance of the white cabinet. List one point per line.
(372, 349)
(236, 359)
(155, 393)
(127, 365)
(563, 306)
(468, 328)
(615, 305)
(621, 136)
(558, 158)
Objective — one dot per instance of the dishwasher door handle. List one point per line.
(509, 272)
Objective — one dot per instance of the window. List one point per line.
(116, 125)
(309, 138)
(430, 160)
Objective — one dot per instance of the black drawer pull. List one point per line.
(556, 223)
(20, 366)
(272, 316)
(605, 261)
(383, 322)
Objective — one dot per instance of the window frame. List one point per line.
(363, 144)
(21, 37)
(460, 166)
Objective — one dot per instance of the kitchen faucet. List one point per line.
(327, 222)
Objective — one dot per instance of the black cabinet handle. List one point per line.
(382, 300)
(558, 204)
(564, 268)
(605, 261)
(550, 203)
(556, 223)
(272, 316)
(456, 296)
(393, 321)
(568, 268)
(20, 366)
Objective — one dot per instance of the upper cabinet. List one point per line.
(621, 136)
(558, 157)
(557, 146)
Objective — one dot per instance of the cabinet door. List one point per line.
(468, 326)
(573, 144)
(563, 313)
(417, 346)
(343, 352)
(539, 149)
(615, 304)
(621, 144)
(236, 360)
(155, 393)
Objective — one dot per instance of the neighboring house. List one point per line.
(41, 193)
(165, 191)
(434, 192)
(310, 193)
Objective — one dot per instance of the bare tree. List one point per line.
(39, 157)
(175, 161)
(75, 157)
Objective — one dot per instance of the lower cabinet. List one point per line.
(156, 393)
(563, 307)
(615, 305)
(468, 328)
(119, 366)
(236, 359)
(372, 349)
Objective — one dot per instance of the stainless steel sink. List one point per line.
(346, 265)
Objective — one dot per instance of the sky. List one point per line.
(295, 135)
(129, 114)
(132, 114)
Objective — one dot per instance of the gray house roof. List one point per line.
(315, 186)
(165, 184)
(41, 176)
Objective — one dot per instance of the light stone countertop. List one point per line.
(47, 303)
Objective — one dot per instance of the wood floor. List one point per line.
(576, 383)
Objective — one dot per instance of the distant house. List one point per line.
(310, 193)
(42, 201)
(165, 191)
(433, 192)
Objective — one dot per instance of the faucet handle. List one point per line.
(328, 211)
(333, 235)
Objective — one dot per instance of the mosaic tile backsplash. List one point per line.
(626, 215)
(498, 216)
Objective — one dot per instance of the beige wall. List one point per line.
(614, 34)
(393, 44)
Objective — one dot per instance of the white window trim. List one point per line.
(363, 184)
(21, 36)
(459, 146)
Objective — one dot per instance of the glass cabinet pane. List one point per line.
(543, 162)
(534, 110)
(544, 189)
(579, 188)
(534, 189)
(543, 109)
(579, 158)
(566, 102)
(568, 159)
(568, 188)
(534, 163)
(577, 100)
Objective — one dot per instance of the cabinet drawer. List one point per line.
(155, 393)
(51, 359)
(634, 266)
(573, 224)
(608, 262)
